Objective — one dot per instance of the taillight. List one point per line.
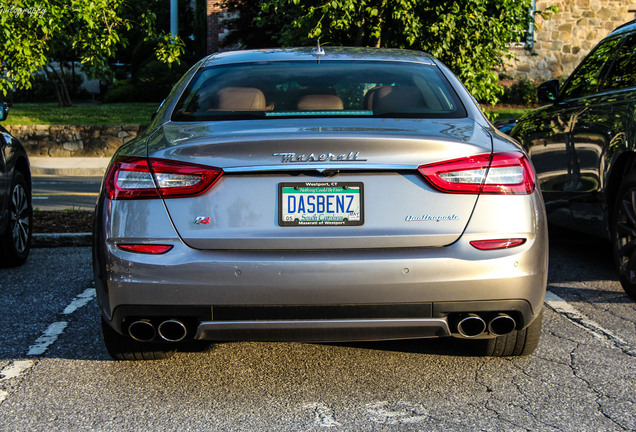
(507, 173)
(138, 178)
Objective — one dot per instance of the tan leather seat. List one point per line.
(390, 98)
(241, 99)
(368, 97)
(319, 102)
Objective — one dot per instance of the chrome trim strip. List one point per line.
(317, 167)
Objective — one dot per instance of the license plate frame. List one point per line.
(345, 196)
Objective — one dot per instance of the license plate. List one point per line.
(320, 204)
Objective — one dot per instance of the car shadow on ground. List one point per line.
(583, 264)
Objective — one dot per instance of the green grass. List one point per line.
(504, 114)
(50, 113)
(139, 113)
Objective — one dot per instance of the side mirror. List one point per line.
(548, 91)
(4, 111)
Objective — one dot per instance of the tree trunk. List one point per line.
(58, 96)
(378, 43)
(360, 35)
(358, 41)
(61, 91)
(66, 97)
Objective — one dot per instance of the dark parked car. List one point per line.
(309, 195)
(16, 212)
(583, 146)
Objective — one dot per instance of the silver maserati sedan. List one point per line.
(317, 195)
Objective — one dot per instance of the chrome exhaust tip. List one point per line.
(471, 326)
(172, 330)
(142, 331)
(502, 324)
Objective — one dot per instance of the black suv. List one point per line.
(583, 147)
(16, 211)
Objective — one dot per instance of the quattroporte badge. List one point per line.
(428, 218)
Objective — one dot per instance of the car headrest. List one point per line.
(241, 99)
(390, 98)
(320, 102)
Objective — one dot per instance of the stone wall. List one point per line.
(73, 141)
(564, 40)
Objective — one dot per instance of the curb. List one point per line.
(61, 240)
(69, 166)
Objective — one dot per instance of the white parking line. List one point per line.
(563, 307)
(396, 413)
(13, 370)
(18, 367)
(49, 336)
(54, 331)
(79, 301)
(323, 414)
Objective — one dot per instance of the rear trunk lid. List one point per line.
(365, 166)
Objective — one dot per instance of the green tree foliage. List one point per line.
(35, 33)
(248, 29)
(472, 37)
(142, 76)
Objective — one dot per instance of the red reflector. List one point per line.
(145, 248)
(508, 173)
(138, 178)
(497, 243)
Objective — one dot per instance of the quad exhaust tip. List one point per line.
(472, 325)
(142, 331)
(501, 324)
(172, 330)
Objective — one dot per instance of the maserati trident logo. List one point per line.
(323, 157)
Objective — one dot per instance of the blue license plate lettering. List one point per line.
(320, 204)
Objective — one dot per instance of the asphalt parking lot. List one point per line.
(56, 375)
(65, 192)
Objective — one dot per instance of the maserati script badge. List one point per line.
(323, 157)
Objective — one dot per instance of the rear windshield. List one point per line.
(318, 89)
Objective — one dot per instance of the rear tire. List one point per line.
(121, 347)
(15, 243)
(514, 344)
(624, 234)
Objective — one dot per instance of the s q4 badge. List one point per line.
(202, 220)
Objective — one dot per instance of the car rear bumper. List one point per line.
(323, 295)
